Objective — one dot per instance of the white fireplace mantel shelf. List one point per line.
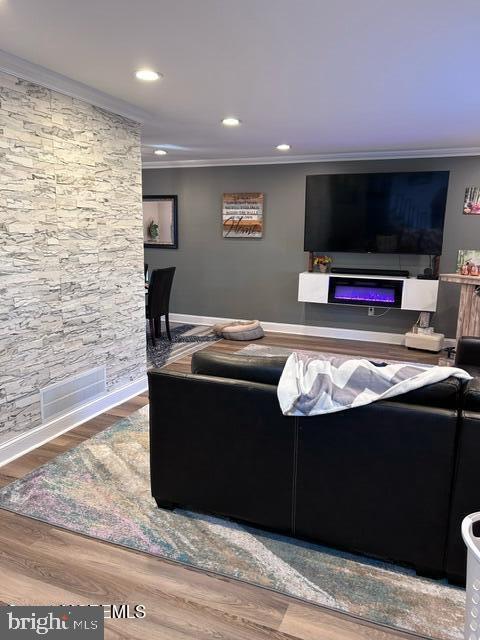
(417, 295)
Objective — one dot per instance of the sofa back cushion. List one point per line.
(440, 395)
(267, 370)
(229, 365)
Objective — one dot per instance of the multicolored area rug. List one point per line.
(186, 339)
(101, 489)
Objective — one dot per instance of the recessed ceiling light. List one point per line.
(283, 147)
(148, 75)
(231, 122)
(160, 152)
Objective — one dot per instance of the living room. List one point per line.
(240, 327)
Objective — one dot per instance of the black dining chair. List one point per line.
(159, 289)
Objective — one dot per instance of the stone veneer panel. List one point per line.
(71, 247)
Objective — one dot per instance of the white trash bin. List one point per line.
(472, 614)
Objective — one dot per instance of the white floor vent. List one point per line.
(62, 397)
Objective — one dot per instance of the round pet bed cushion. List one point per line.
(240, 330)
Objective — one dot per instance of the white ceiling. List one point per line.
(326, 76)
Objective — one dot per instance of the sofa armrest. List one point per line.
(468, 352)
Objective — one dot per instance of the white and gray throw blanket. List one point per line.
(313, 385)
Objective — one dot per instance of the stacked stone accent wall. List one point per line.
(71, 247)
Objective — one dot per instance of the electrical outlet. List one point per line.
(371, 311)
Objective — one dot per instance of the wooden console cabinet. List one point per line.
(468, 323)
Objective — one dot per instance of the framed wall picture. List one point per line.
(242, 215)
(160, 222)
(471, 203)
(468, 256)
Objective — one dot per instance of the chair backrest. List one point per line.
(468, 351)
(159, 289)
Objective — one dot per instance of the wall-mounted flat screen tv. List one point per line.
(376, 212)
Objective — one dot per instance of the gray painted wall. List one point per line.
(258, 278)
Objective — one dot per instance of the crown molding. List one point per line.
(21, 68)
(323, 157)
(15, 66)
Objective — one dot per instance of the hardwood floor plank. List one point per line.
(27, 540)
(44, 577)
(40, 564)
(376, 350)
(305, 622)
(38, 571)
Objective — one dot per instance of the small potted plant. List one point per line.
(322, 262)
(153, 230)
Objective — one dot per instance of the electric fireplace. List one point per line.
(365, 291)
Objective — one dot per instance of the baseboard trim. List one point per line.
(307, 330)
(25, 442)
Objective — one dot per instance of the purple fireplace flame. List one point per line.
(364, 294)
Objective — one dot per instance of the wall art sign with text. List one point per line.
(471, 204)
(242, 215)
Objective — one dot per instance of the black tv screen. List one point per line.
(376, 212)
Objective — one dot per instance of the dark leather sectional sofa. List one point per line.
(391, 480)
